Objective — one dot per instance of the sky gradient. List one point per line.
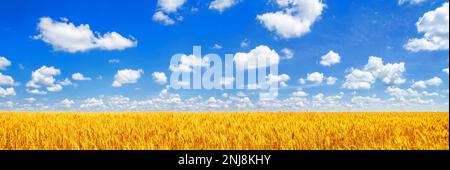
(374, 55)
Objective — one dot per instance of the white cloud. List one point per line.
(161, 17)
(365, 100)
(127, 76)
(287, 53)
(67, 103)
(420, 84)
(55, 88)
(159, 77)
(435, 81)
(80, 77)
(65, 36)
(166, 7)
(4, 63)
(331, 80)
(330, 58)
(315, 77)
(295, 20)
(44, 77)
(302, 81)
(36, 91)
(93, 102)
(359, 79)
(321, 100)
(413, 2)
(285, 3)
(401, 93)
(425, 93)
(6, 80)
(388, 73)
(188, 63)
(114, 41)
(221, 5)
(7, 104)
(375, 69)
(260, 57)
(170, 6)
(282, 79)
(7, 92)
(30, 99)
(434, 25)
(445, 70)
(299, 93)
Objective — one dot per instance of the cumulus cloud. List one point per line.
(159, 77)
(6, 80)
(299, 93)
(315, 77)
(388, 73)
(161, 17)
(4, 63)
(7, 92)
(80, 77)
(66, 82)
(166, 7)
(365, 100)
(435, 81)
(330, 58)
(260, 57)
(170, 6)
(66, 36)
(375, 69)
(44, 77)
(320, 100)
(127, 76)
(295, 20)
(434, 26)
(93, 102)
(402, 93)
(302, 81)
(331, 80)
(36, 91)
(188, 63)
(281, 79)
(221, 5)
(359, 79)
(67, 103)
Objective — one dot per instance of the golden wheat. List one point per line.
(242, 131)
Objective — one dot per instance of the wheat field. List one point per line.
(223, 131)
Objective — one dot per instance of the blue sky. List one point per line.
(413, 74)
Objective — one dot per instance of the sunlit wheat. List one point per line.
(205, 131)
